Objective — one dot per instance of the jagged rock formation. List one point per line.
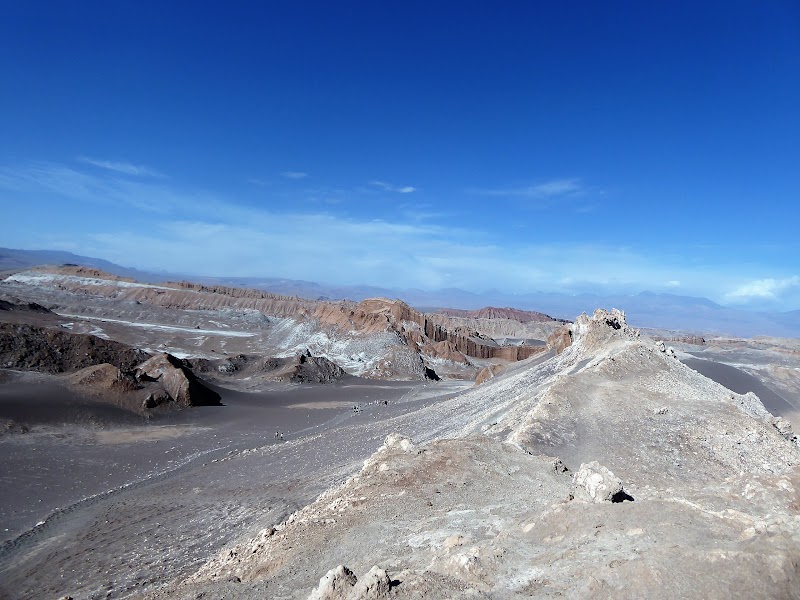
(518, 327)
(380, 314)
(102, 369)
(178, 381)
(517, 490)
(584, 325)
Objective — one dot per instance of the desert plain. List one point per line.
(179, 440)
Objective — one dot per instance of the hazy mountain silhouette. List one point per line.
(645, 309)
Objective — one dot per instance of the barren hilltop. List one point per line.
(232, 443)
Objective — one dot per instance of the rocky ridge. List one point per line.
(300, 368)
(610, 469)
(27, 347)
(101, 369)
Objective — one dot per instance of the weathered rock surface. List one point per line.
(178, 381)
(483, 508)
(560, 339)
(488, 373)
(336, 584)
(341, 584)
(300, 368)
(7, 306)
(491, 312)
(599, 483)
(56, 351)
(521, 326)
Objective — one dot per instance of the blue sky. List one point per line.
(520, 146)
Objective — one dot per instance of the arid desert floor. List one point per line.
(592, 459)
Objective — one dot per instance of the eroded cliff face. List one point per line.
(511, 325)
(375, 338)
(491, 312)
(421, 329)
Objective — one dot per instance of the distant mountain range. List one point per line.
(646, 309)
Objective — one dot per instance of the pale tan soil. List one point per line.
(321, 405)
(153, 433)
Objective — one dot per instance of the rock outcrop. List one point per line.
(336, 584)
(341, 584)
(600, 484)
(178, 381)
(300, 368)
(491, 312)
(488, 373)
(514, 327)
(560, 339)
(48, 350)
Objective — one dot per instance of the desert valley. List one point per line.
(323, 300)
(180, 440)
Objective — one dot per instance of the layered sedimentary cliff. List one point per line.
(379, 325)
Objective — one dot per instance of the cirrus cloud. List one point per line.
(388, 187)
(124, 167)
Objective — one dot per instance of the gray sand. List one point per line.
(740, 382)
(175, 496)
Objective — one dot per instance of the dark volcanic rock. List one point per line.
(33, 348)
(178, 381)
(315, 369)
(302, 368)
(23, 307)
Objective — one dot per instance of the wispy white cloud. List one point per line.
(557, 188)
(763, 289)
(119, 218)
(294, 174)
(123, 167)
(388, 187)
(107, 189)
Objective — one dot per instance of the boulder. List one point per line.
(374, 585)
(336, 584)
(599, 483)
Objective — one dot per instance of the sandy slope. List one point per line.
(181, 488)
